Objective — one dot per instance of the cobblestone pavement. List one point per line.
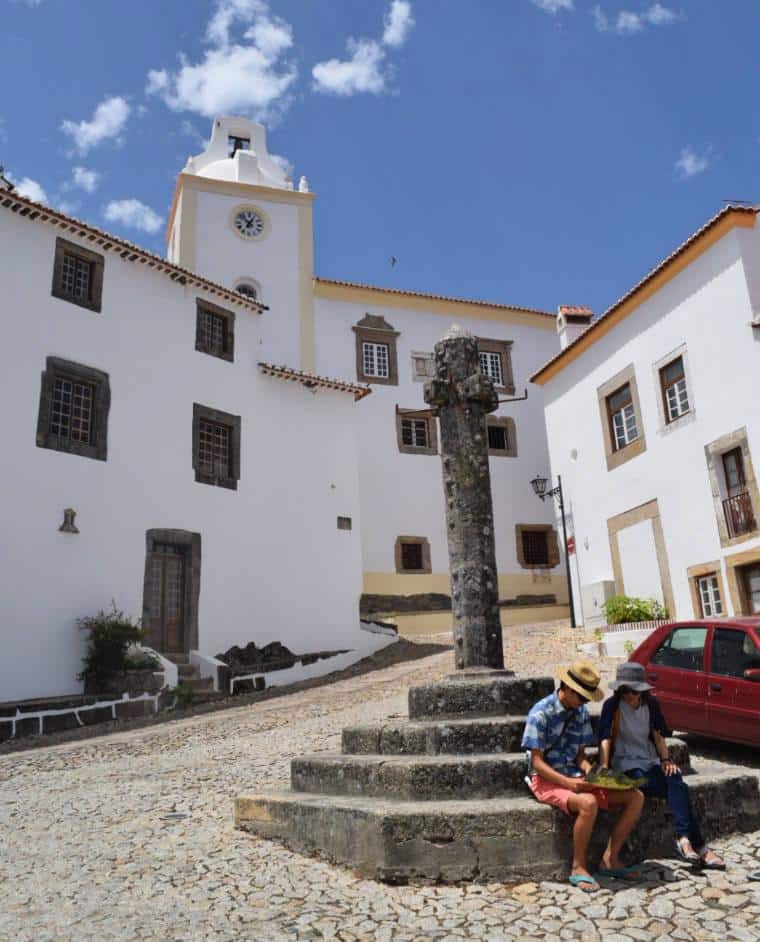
(87, 852)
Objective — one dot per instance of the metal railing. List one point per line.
(740, 517)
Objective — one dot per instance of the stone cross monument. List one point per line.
(461, 396)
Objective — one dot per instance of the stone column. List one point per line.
(461, 397)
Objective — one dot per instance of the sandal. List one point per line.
(585, 884)
(710, 860)
(620, 873)
(686, 852)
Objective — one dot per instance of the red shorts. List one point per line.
(551, 794)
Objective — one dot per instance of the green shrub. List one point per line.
(628, 646)
(183, 696)
(622, 609)
(143, 661)
(111, 635)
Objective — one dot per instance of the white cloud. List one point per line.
(107, 124)
(628, 23)
(30, 189)
(689, 164)
(554, 6)
(284, 164)
(658, 15)
(85, 179)
(248, 75)
(365, 69)
(134, 214)
(398, 23)
(361, 73)
(600, 19)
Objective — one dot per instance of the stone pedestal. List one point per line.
(440, 797)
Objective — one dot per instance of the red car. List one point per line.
(706, 675)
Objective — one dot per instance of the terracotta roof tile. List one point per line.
(310, 380)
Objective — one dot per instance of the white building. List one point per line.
(652, 421)
(207, 419)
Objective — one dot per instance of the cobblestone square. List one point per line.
(94, 845)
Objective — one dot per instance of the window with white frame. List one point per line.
(414, 433)
(709, 595)
(375, 359)
(674, 392)
(490, 365)
(622, 417)
(423, 366)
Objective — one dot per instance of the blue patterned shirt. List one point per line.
(544, 727)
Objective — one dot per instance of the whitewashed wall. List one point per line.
(274, 565)
(708, 308)
(402, 494)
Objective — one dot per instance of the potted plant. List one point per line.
(109, 667)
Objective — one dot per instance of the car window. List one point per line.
(733, 652)
(683, 648)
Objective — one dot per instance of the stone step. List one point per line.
(420, 777)
(199, 683)
(185, 671)
(479, 840)
(471, 695)
(177, 658)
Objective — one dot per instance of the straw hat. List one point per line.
(582, 677)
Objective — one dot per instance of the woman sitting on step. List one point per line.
(632, 734)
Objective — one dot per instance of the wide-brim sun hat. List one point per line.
(582, 677)
(631, 675)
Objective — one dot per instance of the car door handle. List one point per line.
(716, 686)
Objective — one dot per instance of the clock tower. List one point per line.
(237, 219)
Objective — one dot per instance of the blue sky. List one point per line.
(534, 152)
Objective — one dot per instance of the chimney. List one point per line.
(571, 322)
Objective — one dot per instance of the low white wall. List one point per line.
(369, 639)
(207, 666)
(615, 636)
(168, 668)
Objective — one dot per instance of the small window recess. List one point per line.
(249, 288)
(235, 143)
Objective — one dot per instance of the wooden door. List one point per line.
(166, 591)
(733, 468)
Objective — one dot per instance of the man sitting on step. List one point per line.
(556, 732)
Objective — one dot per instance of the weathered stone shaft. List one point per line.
(461, 397)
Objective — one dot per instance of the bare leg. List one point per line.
(585, 808)
(630, 803)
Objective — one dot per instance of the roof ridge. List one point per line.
(429, 294)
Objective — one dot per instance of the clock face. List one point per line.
(249, 223)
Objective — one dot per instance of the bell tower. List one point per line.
(237, 219)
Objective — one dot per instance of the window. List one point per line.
(249, 289)
(423, 367)
(412, 554)
(620, 413)
(709, 595)
(77, 275)
(214, 330)
(674, 393)
(683, 648)
(416, 434)
(733, 652)
(344, 523)
(537, 546)
(73, 412)
(502, 436)
(216, 447)
(622, 417)
(235, 143)
(376, 360)
(496, 362)
(737, 506)
(736, 497)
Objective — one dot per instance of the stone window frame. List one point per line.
(552, 545)
(191, 549)
(420, 540)
(616, 457)
(95, 259)
(208, 307)
(694, 574)
(665, 427)
(508, 423)
(429, 358)
(629, 518)
(373, 328)
(714, 452)
(504, 349)
(233, 422)
(432, 427)
(736, 592)
(97, 447)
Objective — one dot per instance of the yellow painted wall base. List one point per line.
(429, 623)
(511, 584)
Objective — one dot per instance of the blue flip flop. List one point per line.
(580, 880)
(620, 873)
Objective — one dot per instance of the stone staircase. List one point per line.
(190, 675)
(441, 797)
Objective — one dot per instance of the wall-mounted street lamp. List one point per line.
(539, 486)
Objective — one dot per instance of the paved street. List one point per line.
(88, 853)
